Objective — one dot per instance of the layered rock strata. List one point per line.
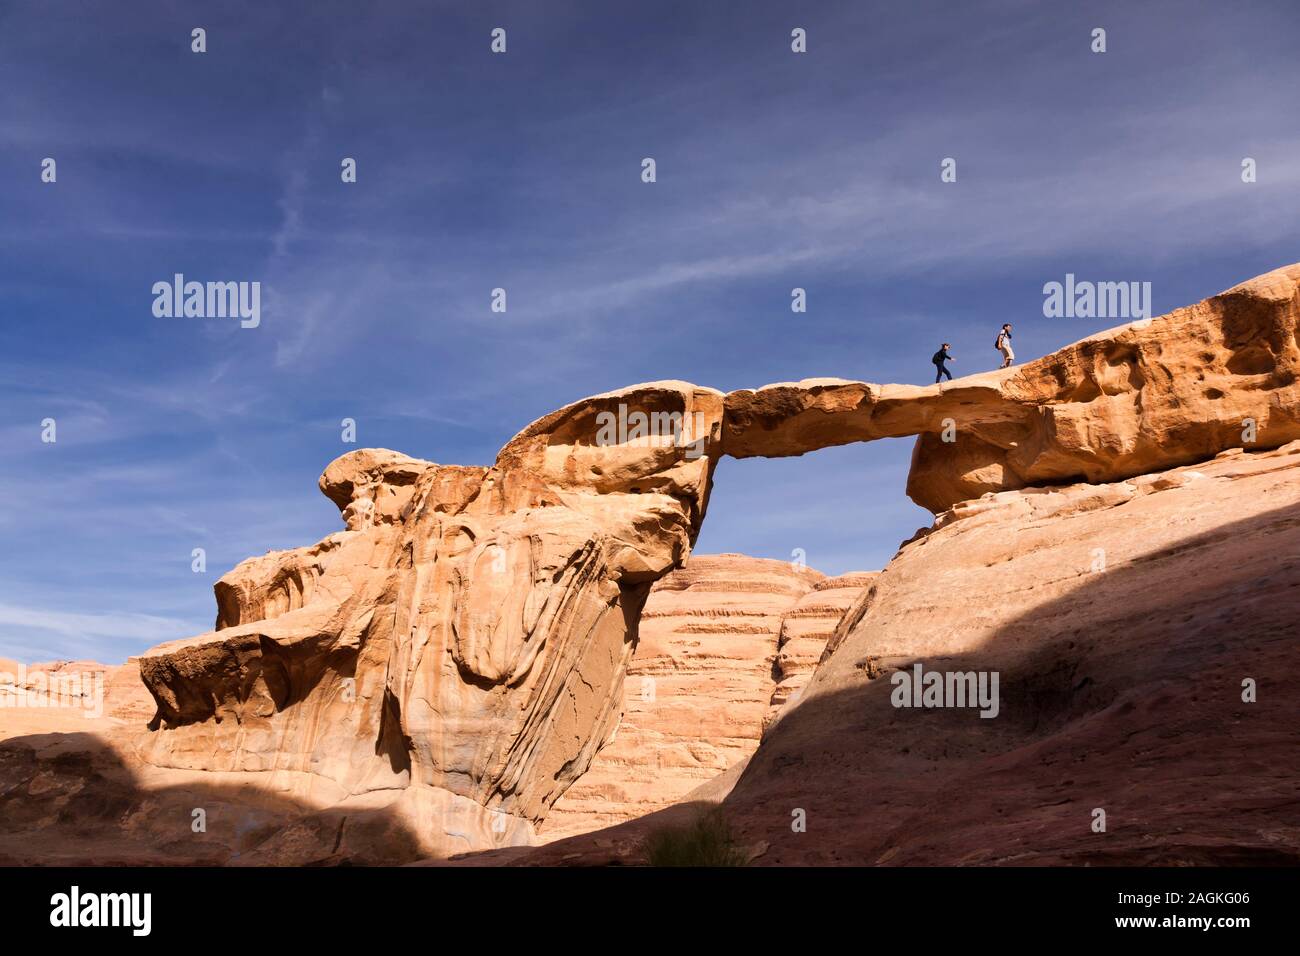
(1150, 395)
(699, 685)
(1143, 638)
(470, 629)
(805, 630)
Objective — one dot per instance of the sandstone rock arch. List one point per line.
(467, 634)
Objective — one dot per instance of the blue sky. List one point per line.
(522, 171)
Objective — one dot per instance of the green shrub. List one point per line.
(708, 841)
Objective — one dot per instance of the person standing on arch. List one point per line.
(938, 359)
(1003, 345)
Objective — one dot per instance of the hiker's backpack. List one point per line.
(997, 343)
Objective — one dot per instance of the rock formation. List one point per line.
(725, 644)
(805, 630)
(90, 687)
(458, 652)
(1144, 636)
(1131, 400)
(468, 632)
(1121, 685)
(699, 685)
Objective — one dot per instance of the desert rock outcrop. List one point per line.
(468, 632)
(1131, 400)
(1143, 634)
(805, 630)
(1121, 686)
(698, 687)
(460, 648)
(88, 687)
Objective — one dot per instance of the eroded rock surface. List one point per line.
(471, 628)
(456, 655)
(699, 686)
(468, 632)
(805, 630)
(1124, 621)
(1135, 399)
(86, 687)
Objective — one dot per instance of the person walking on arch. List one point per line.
(1003, 345)
(940, 369)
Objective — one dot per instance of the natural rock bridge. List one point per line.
(463, 642)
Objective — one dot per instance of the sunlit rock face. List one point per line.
(469, 631)
(1143, 637)
(1128, 401)
(699, 686)
(806, 628)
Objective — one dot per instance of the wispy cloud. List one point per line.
(25, 630)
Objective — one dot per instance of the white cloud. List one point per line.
(65, 624)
